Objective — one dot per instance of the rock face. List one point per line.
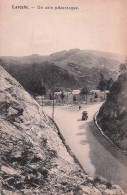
(112, 116)
(34, 159)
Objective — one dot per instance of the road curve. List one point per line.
(96, 155)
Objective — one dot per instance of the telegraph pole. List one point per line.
(53, 107)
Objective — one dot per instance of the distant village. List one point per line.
(71, 97)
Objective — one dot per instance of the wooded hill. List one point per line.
(67, 69)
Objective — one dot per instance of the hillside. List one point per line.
(34, 159)
(87, 58)
(68, 69)
(31, 76)
(112, 116)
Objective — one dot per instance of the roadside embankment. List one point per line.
(112, 116)
(102, 132)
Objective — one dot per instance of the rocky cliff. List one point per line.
(34, 159)
(112, 116)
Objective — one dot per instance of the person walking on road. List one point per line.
(79, 107)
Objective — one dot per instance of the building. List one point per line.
(97, 95)
(76, 95)
(67, 97)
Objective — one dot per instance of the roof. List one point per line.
(76, 91)
(95, 90)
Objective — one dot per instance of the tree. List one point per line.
(43, 90)
(62, 96)
(109, 84)
(103, 85)
(74, 98)
(38, 88)
(85, 92)
(95, 96)
(51, 96)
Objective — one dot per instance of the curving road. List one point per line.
(96, 155)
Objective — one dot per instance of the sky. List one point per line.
(95, 25)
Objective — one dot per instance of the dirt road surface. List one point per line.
(96, 155)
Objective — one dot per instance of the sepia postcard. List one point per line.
(63, 97)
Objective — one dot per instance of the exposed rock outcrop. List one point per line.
(33, 158)
(112, 116)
